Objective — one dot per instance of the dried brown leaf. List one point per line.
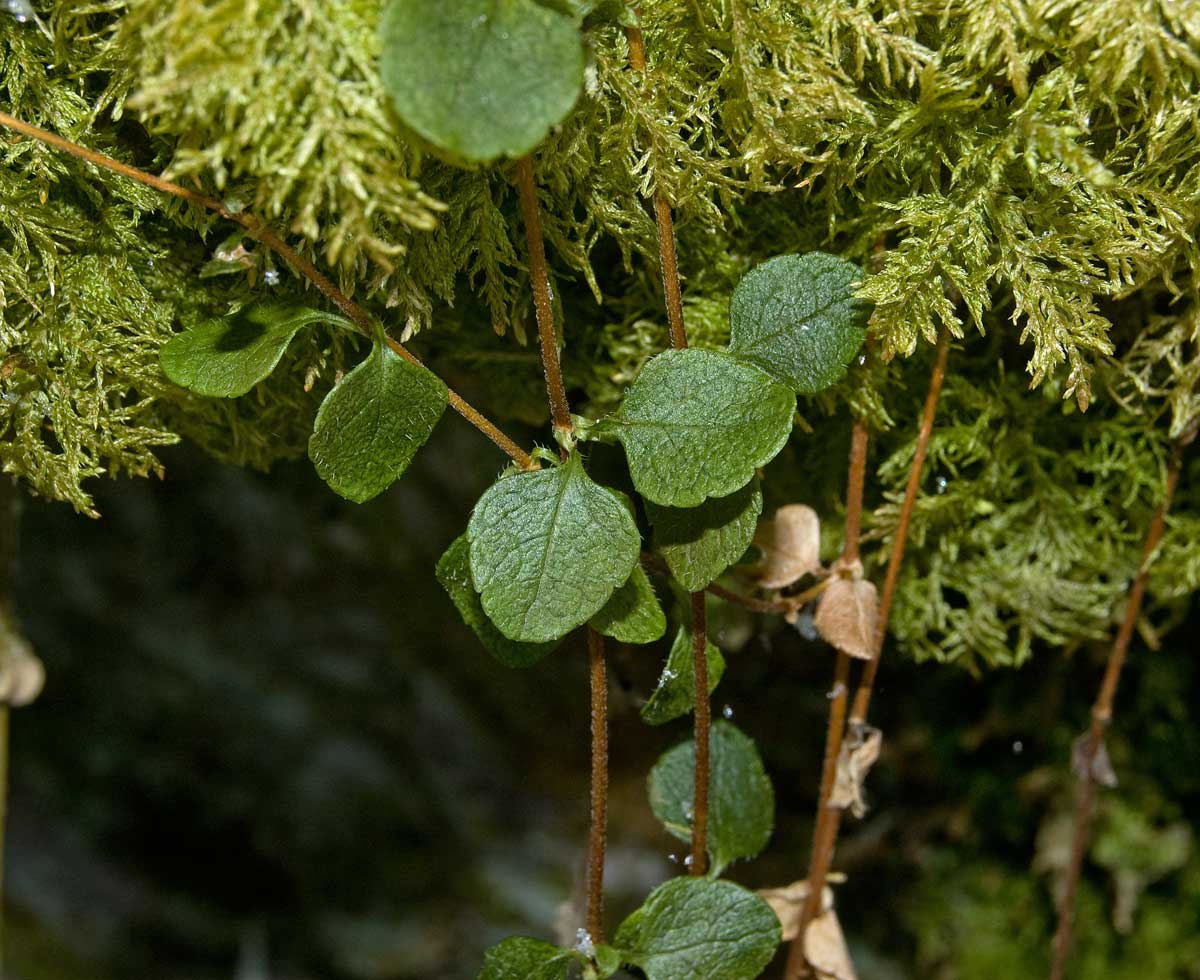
(1099, 766)
(788, 902)
(859, 751)
(22, 677)
(825, 948)
(847, 616)
(791, 544)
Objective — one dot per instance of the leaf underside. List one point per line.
(521, 958)
(633, 614)
(699, 543)
(675, 694)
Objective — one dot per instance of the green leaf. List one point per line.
(520, 958)
(633, 614)
(372, 423)
(548, 549)
(700, 929)
(454, 572)
(741, 802)
(699, 543)
(675, 694)
(608, 960)
(697, 424)
(796, 317)
(228, 356)
(480, 78)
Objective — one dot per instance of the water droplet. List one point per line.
(673, 858)
(1018, 747)
(837, 692)
(688, 812)
(862, 358)
(687, 861)
(271, 277)
(806, 626)
(22, 10)
(583, 943)
(727, 712)
(942, 483)
(803, 327)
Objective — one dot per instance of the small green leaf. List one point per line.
(633, 614)
(700, 929)
(608, 960)
(548, 549)
(520, 958)
(675, 694)
(699, 543)
(741, 801)
(228, 356)
(454, 572)
(796, 317)
(370, 426)
(697, 424)
(480, 78)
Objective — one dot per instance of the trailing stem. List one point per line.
(866, 684)
(1102, 711)
(266, 235)
(598, 827)
(672, 294)
(560, 411)
(828, 818)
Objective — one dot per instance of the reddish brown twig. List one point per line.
(862, 696)
(265, 234)
(539, 275)
(1102, 715)
(598, 826)
(829, 818)
(702, 726)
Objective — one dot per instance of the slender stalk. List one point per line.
(703, 724)
(598, 828)
(663, 221)
(3, 817)
(263, 233)
(1101, 717)
(560, 412)
(829, 818)
(866, 684)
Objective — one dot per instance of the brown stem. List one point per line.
(263, 233)
(703, 723)
(598, 829)
(560, 411)
(1101, 717)
(862, 697)
(668, 260)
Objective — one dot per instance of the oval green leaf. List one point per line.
(548, 549)
(370, 426)
(675, 694)
(226, 357)
(699, 543)
(741, 800)
(697, 424)
(521, 958)
(700, 929)
(480, 79)
(796, 317)
(633, 614)
(454, 572)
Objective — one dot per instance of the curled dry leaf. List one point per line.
(1098, 767)
(22, 677)
(859, 751)
(824, 944)
(791, 544)
(788, 902)
(848, 614)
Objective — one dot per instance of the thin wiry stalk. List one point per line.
(1102, 712)
(598, 826)
(265, 234)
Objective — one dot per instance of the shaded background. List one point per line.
(269, 749)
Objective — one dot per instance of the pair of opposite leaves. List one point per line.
(549, 548)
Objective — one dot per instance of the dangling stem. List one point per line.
(560, 412)
(829, 818)
(266, 235)
(598, 830)
(703, 723)
(1102, 715)
(862, 697)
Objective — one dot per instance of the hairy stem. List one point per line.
(703, 723)
(828, 818)
(560, 411)
(265, 234)
(866, 684)
(1101, 717)
(598, 827)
